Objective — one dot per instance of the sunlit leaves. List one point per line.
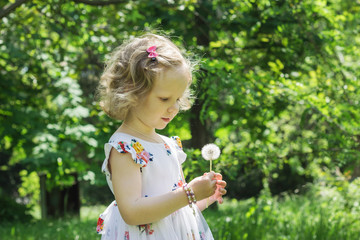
(279, 81)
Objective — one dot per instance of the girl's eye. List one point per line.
(164, 99)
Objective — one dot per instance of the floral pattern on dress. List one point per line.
(192, 236)
(177, 185)
(178, 141)
(147, 228)
(127, 235)
(100, 225)
(142, 157)
(141, 154)
(202, 236)
(168, 151)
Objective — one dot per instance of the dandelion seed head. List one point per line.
(210, 152)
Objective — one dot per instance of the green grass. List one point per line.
(290, 218)
(320, 215)
(60, 229)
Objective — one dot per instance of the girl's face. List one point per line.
(156, 109)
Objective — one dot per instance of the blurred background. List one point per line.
(277, 89)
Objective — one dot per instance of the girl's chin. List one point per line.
(161, 127)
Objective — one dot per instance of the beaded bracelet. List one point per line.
(190, 194)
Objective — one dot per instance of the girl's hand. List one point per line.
(204, 186)
(220, 188)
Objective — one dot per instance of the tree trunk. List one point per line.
(42, 177)
(199, 132)
(356, 171)
(61, 201)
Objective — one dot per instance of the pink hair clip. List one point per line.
(152, 53)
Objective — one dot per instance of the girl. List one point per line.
(145, 83)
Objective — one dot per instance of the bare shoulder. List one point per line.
(119, 162)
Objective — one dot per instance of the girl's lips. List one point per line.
(166, 119)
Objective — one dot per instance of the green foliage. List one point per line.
(11, 211)
(279, 89)
(277, 86)
(30, 187)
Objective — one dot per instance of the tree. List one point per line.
(277, 86)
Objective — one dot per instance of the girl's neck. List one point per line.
(150, 136)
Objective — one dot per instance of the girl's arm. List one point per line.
(203, 204)
(137, 210)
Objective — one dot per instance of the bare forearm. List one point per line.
(203, 204)
(151, 209)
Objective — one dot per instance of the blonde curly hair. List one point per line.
(129, 73)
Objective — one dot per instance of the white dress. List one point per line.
(160, 170)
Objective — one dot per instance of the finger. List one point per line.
(221, 183)
(220, 191)
(213, 186)
(207, 173)
(218, 176)
(213, 182)
(210, 175)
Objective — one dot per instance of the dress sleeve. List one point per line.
(137, 151)
(180, 153)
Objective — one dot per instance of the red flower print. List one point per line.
(147, 228)
(122, 145)
(100, 225)
(180, 183)
(126, 236)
